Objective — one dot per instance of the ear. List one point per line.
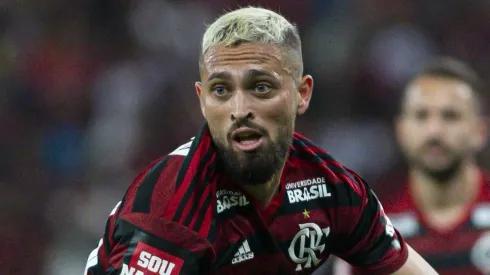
(305, 90)
(198, 86)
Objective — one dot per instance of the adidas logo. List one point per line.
(244, 253)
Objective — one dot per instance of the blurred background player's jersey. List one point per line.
(463, 248)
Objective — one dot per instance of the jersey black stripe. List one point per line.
(202, 211)
(111, 270)
(245, 210)
(188, 158)
(305, 156)
(382, 242)
(200, 218)
(106, 237)
(203, 164)
(142, 199)
(198, 195)
(98, 270)
(212, 231)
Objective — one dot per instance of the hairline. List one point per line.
(475, 95)
(287, 51)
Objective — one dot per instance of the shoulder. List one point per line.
(314, 160)
(154, 187)
(174, 189)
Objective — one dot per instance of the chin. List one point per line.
(442, 172)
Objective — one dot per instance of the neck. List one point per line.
(263, 193)
(429, 193)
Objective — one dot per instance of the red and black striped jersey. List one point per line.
(174, 219)
(462, 249)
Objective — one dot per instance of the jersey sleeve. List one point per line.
(138, 241)
(133, 248)
(373, 245)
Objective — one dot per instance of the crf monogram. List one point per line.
(306, 254)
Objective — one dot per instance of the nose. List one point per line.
(241, 107)
(434, 126)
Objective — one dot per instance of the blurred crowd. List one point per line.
(93, 90)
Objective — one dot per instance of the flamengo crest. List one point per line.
(308, 241)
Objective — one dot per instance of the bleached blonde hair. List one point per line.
(255, 25)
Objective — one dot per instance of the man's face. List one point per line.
(250, 101)
(439, 126)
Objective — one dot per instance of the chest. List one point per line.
(294, 239)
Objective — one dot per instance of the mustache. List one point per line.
(435, 142)
(245, 122)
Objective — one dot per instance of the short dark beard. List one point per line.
(257, 167)
(443, 175)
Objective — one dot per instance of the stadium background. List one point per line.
(93, 90)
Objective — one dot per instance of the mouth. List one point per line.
(436, 150)
(247, 139)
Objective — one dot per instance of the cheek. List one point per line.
(412, 138)
(279, 108)
(216, 119)
(463, 137)
(218, 133)
(458, 132)
(279, 114)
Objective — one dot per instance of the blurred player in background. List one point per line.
(249, 195)
(444, 209)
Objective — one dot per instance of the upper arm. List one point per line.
(139, 244)
(415, 265)
(372, 246)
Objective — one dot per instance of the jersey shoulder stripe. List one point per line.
(197, 198)
(185, 192)
(176, 188)
(197, 189)
(153, 189)
(142, 199)
(188, 157)
(201, 214)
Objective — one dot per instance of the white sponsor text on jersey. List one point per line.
(150, 264)
(308, 193)
(226, 199)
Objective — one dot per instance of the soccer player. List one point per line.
(443, 211)
(248, 195)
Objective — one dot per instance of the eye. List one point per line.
(451, 115)
(263, 88)
(219, 90)
(421, 115)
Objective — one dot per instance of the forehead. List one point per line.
(239, 59)
(439, 92)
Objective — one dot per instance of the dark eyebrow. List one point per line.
(221, 75)
(254, 73)
(251, 74)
